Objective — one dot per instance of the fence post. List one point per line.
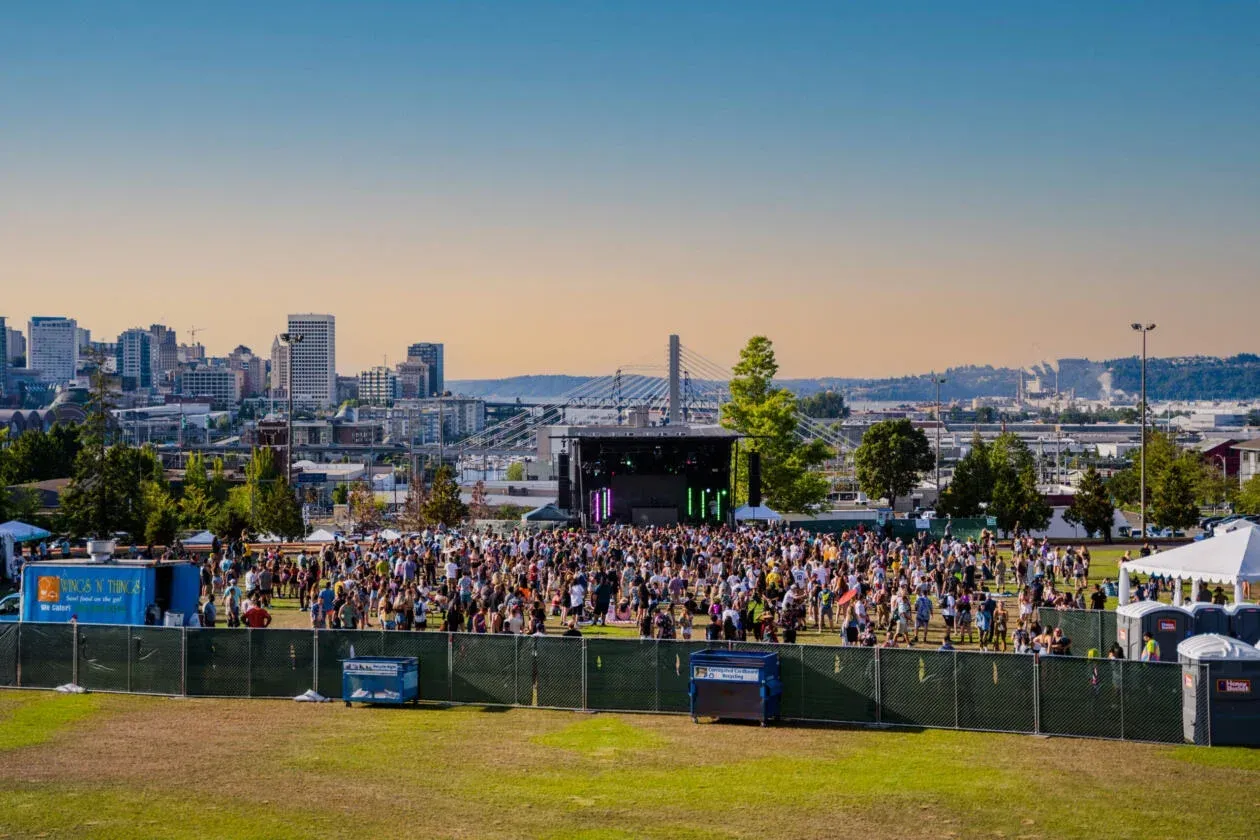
(74, 653)
(584, 701)
(315, 660)
(956, 715)
(1036, 684)
(450, 666)
(879, 694)
(183, 662)
(249, 662)
(656, 674)
(1123, 733)
(17, 656)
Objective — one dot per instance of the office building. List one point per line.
(84, 337)
(413, 380)
(279, 382)
(53, 348)
(16, 345)
(314, 359)
(133, 356)
(433, 356)
(252, 368)
(378, 386)
(165, 352)
(220, 385)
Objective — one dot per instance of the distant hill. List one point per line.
(1180, 378)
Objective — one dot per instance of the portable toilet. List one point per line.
(1244, 622)
(1208, 618)
(1169, 624)
(1220, 679)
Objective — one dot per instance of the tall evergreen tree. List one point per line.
(443, 506)
(1091, 507)
(972, 486)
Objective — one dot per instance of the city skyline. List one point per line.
(554, 188)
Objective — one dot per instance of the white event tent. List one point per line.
(1231, 556)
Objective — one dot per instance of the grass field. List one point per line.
(111, 766)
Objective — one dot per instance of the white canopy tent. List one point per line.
(1231, 556)
(389, 534)
(761, 513)
(321, 535)
(204, 538)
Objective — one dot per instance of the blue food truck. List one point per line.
(121, 592)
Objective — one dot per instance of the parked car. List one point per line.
(11, 607)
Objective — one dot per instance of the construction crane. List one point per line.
(193, 332)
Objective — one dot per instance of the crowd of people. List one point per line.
(679, 582)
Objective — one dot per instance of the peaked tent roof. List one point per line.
(546, 513)
(21, 532)
(761, 513)
(321, 535)
(204, 538)
(388, 534)
(1229, 557)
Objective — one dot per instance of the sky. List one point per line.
(546, 187)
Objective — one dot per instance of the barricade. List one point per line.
(1088, 629)
(913, 687)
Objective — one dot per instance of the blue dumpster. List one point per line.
(380, 679)
(742, 685)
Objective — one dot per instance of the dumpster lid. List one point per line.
(1213, 647)
(1138, 608)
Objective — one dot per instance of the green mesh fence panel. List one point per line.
(103, 661)
(1107, 631)
(839, 684)
(45, 654)
(557, 667)
(1084, 627)
(8, 654)
(336, 645)
(157, 659)
(673, 673)
(485, 670)
(791, 704)
(281, 662)
(1152, 702)
(1081, 696)
(995, 692)
(431, 650)
(621, 675)
(217, 663)
(916, 687)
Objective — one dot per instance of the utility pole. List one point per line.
(1143, 329)
(938, 381)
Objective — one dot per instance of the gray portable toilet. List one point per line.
(1169, 624)
(1220, 679)
(1209, 618)
(1244, 622)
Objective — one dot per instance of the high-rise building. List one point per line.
(134, 359)
(279, 382)
(16, 344)
(53, 348)
(378, 386)
(84, 337)
(252, 370)
(413, 380)
(314, 359)
(220, 385)
(165, 352)
(432, 355)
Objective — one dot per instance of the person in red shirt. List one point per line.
(256, 617)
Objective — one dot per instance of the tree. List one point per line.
(162, 516)
(516, 471)
(890, 460)
(1091, 507)
(341, 494)
(196, 506)
(1248, 498)
(91, 502)
(825, 404)
(972, 486)
(1173, 501)
(478, 508)
(1016, 500)
(767, 415)
(1253, 417)
(443, 505)
(363, 510)
(412, 517)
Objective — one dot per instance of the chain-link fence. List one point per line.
(1074, 696)
(1089, 630)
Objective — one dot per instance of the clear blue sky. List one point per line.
(880, 187)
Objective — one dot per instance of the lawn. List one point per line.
(110, 766)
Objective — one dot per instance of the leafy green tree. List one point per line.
(443, 505)
(891, 459)
(825, 404)
(272, 503)
(1173, 502)
(40, 455)
(1123, 487)
(767, 415)
(1016, 502)
(516, 471)
(1091, 507)
(972, 485)
(363, 509)
(1248, 498)
(91, 503)
(162, 515)
(196, 506)
(341, 494)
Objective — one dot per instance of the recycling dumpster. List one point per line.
(1221, 691)
(380, 679)
(738, 685)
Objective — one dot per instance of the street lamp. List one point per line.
(938, 381)
(289, 339)
(1143, 329)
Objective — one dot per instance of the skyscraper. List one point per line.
(16, 345)
(53, 348)
(314, 359)
(378, 386)
(134, 354)
(165, 352)
(433, 356)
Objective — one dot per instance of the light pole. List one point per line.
(289, 339)
(938, 381)
(1143, 329)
